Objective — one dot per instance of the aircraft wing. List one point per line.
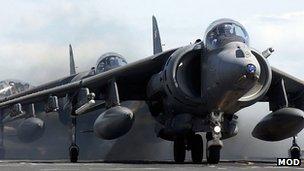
(285, 97)
(131, 80)
(292, 83)
(292, 95)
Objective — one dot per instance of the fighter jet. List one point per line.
(31, 127)
(190, 89)
(22, 129)
(7, 88)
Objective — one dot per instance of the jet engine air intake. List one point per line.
(182, 74)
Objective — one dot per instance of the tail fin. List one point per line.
(72, 62)
(157, 46)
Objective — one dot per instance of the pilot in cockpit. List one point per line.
(223, 32)
(220, 33)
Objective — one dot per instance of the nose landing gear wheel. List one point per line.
(196, 145)
(74, 152)
(179, 150)
(213, 154)
(214, 142)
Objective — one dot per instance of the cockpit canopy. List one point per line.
(10, 87)
(224, 31)
(109, 61)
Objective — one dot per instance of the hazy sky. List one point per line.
(34, 35)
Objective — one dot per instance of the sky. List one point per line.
(34, 35)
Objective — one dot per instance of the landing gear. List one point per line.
(193, 142)
(179, 150)
(74, 149)
(213, 152)
(295, 150)
(74, 152)
(214, 143)
(196, 146)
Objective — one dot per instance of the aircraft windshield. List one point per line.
(225, 31)
(109, 61)
(9, 87)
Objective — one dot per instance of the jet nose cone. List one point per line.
(238, 69)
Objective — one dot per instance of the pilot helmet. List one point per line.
(224, 31)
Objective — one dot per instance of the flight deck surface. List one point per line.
(7, 165)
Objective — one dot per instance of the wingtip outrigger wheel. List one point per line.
(74, 152)
(295, 150)
(74, 149)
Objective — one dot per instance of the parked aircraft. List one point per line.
(194, 88)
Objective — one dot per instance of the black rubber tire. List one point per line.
(295, 152)
(197, 148)
(74, 152)
(209, 136)
(179, 150)
(213, 154)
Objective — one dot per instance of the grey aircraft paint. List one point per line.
(72, 62)
(241, 76)
(157, 46)
(140, 143)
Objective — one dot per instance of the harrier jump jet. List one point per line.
(190, 89)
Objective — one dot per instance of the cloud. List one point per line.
(37, 34)
(285, 17)
(284, 32)
(35, 41)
